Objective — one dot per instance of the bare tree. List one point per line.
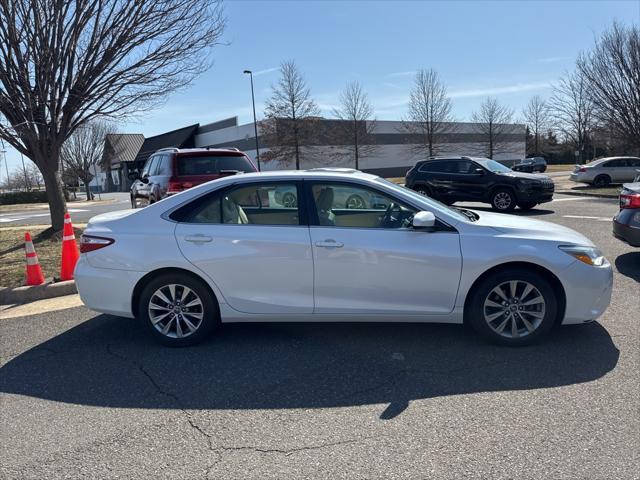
(572, 110)
(536, 115)
(357, 127)
(82, 152)
(429, 114)
(290, 114)
(492, 122)
(35, 177)
(64, 63)
(612, 73)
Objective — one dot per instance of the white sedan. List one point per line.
(228, 251)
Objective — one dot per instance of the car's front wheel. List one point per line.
(512, 307)
(503, 200)
(178, 310)
(527, 205)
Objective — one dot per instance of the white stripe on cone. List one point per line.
(32, 260)
(68, 237)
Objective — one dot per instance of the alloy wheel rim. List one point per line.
(502, 200)
(289, 200)
(175, 311)
(355, 202)
(514, 309)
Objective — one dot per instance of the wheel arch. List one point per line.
(139, 287)
(555, 282)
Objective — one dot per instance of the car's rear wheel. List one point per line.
(422, 190)
(601, 181)
(527, 205)
(513, 307)
(289, 200)
(355, 202)
(503, 200)
(178, 310)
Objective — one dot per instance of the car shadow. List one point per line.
(534, 212)
(628, 264)
(111, 362)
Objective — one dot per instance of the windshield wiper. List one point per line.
(468, 213)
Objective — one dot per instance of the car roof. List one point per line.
(181, 151)
(344, 173)
(604, 159)
(451, 157)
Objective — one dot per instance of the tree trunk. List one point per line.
(87, 189)
(55, 196)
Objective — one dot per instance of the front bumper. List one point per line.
(535, 194)
(106, 290)
(626, 226)
(588, 291)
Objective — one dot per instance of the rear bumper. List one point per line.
(626, 226)
(588, 291)
(105, 290)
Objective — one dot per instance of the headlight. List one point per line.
(589, 255)
(527, 183)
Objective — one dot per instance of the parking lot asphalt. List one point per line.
(86, 395)
(80, 211)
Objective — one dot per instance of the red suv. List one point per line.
(172, 170)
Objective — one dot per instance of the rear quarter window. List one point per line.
(212, 164)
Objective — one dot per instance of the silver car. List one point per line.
(604, 171)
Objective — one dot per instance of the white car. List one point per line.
(228, 251)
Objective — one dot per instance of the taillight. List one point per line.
(582, 169)
(89, 243)
(175, 187)
(630, 200)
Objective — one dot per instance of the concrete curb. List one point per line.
(20, 295)
(586, 194)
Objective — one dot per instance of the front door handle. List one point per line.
(199, 238)
(330, 243)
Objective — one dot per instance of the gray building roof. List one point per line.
(122, 147)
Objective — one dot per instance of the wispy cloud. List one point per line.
(516, 88)
(551, 59)
(265, 71)
(408, 73)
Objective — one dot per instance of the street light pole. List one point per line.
(255, 122)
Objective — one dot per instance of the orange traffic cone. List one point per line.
(33, 275)
(70, 253)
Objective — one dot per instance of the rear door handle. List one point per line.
(199, 238)
(329, 244)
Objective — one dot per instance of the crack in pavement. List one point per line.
(218, 450)
(170, 395)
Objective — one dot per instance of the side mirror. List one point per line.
(145, 179)
(423, 220)
(478, 171)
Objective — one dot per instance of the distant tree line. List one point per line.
(593, 110)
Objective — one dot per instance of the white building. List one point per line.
(394, 152)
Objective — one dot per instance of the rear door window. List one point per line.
(213, 164)
(440, 166)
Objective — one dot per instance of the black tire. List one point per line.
(543, 169)
(503, 200)
(289, 200)
(527, 205)
(209, 310)
(601, 181)
(475, 307)
(355, 202)
(422, 190)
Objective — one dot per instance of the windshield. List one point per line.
(427, 201)
(493, 166)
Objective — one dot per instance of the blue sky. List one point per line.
(508, 49)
